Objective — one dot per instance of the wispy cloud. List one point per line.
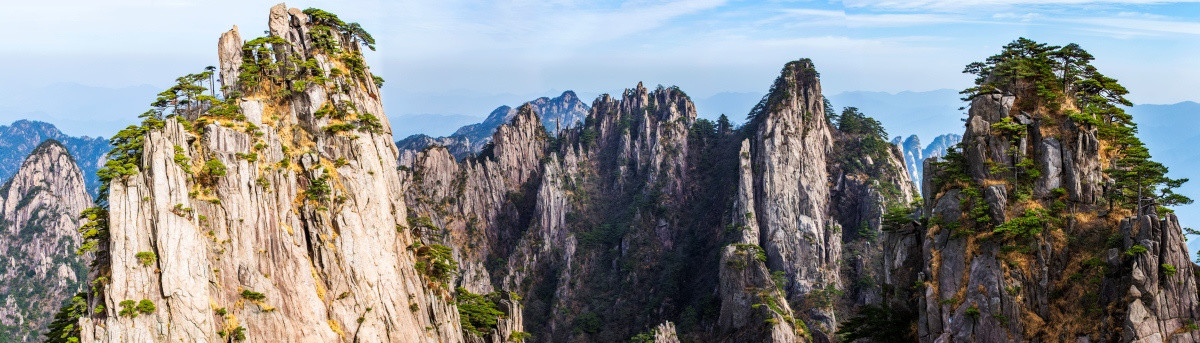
(820, 17)
(960, 5)
(1145, 26)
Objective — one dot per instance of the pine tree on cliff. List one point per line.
(1038, 73)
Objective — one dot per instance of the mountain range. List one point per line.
(283, 209)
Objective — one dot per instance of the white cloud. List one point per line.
(973, 5)
(834, 18)
(1141, 25)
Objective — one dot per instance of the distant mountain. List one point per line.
(429, 124)
(915, 154)
(39, 219)
(559, 113)
(20, 138)
(925, 114)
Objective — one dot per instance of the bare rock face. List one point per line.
(533, 214)
(1162, 302)
(39, 210)
(292, 229)
(1017, 246)
(791, 142)
(665, 333)
(746, 282)
(229, 53)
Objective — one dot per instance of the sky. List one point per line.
(454, 61)
(90, 67)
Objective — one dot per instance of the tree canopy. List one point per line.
(1062, 79)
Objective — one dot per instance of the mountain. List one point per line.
(1029, 232)
(279, 212)
(431, 124)
(20, 138)
(915, 155)
(39, 216)
(645, 217)
(562, 112)
(274, 213)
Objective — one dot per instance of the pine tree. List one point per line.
(65, 327)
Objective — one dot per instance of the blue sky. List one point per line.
(464, 58)
(90, 67)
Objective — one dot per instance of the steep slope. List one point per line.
(789, 150)
(274, 214)
(1046, 225)
(563, 112)
(20, 138)
(647, 218)
(39, 209)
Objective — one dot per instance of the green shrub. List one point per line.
(759, 254)
(1135, 250)
(436, 262)
(1169, 269)
(214, 168)
(477, 313)
(239, 334)
(145, 306)
(128, 309)
(896, 217)
(252, 295)
(879, 324)
(146, 258)
(319, 190)
(180, 158)
(1026, 226)
(337, 128)
(587, 322)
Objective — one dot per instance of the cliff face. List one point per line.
(39, 209)
(645, 218)
(279, 212)
(559, 113)
(1023, 239)
(281, 221)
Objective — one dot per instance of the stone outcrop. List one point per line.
(291, 219)
(790, 151)
(289, 225)
(1018, 247)
(39, 210)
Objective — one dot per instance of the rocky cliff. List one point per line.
(278, 211)
(20, 138)
(560, 113)
(39, 209)
(646, 218)
(1031, 231)
(274, 213)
